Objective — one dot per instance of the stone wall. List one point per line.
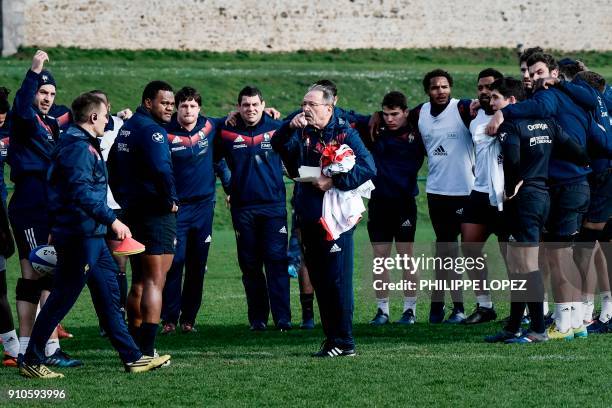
(275, 25)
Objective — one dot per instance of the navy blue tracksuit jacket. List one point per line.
(330, 263)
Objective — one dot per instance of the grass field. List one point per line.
(224, 364)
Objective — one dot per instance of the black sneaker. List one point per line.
(501, 336)
(481, 315)
(258, 326)
(328, 350)
(407, 317)
(380, 318)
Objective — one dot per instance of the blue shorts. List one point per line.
(156, 232)
(600, 208)
(389, 220)
(525, 216)
(568, 204)
(30, 230)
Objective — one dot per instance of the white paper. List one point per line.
(308, 173)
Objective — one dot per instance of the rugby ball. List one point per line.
(44, 259)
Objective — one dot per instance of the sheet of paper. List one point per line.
(308, 173)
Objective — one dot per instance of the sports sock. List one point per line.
(10, 342)
(588, 304)
(383, 304)
(546, 307)
(306, 300)
(577, 315)
(534, 298)
(410, 303)
(148, 332)
(484, 301)
(516, 314)
(563, 316)
(23, 344)
(51, 347)
(606, 306)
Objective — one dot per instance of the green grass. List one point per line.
(226, 365)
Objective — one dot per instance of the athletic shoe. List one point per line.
(380, 318)
(284, 326)
(435, 318)
(9, 361)
(598, 327)
(63, 333)
(62, 359)
(188, 328)
(407, 317)
(156, 355)
(308, 324)
(37, 371)
(329, 350)
(168, 328)
(555, 334)
(501, 336)
(581, 332)
(147, 363)
(529, 337)
(481, 315)
(258, 326)
(456, 317)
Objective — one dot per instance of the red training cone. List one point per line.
(129, 246)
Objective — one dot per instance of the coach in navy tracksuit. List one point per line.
(190, 137)
(77, 188)
(142, 182)
(258, 206)
(330, 263)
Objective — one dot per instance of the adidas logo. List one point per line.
(335, 248)
(407, 224)
(459, 211)
(283, 230)
(239, 139)
(176, 140)
(440, 151)
(511, 238)
(208, 239)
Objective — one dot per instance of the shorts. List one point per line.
(568, 204)
(600, 208)
(392, 219)
(446, 214)
(156, 232)
(479, 210)
(526, 215)
(30, 230)
(110, 235)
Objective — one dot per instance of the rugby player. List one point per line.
(77, 186)
(330, 263)
(443, 124)
(258, 208)
(142, 182)
(398, 153)
(190, 138)
(8, 336)
(33, 137)
(483, 215)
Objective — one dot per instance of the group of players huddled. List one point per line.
(529, 160)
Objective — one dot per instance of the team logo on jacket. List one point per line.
(157, 137)
(176, 140)
(202, 135)
(266, 141)
(536, 140)
(451, 135)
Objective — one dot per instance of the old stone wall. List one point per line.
(275, 25)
